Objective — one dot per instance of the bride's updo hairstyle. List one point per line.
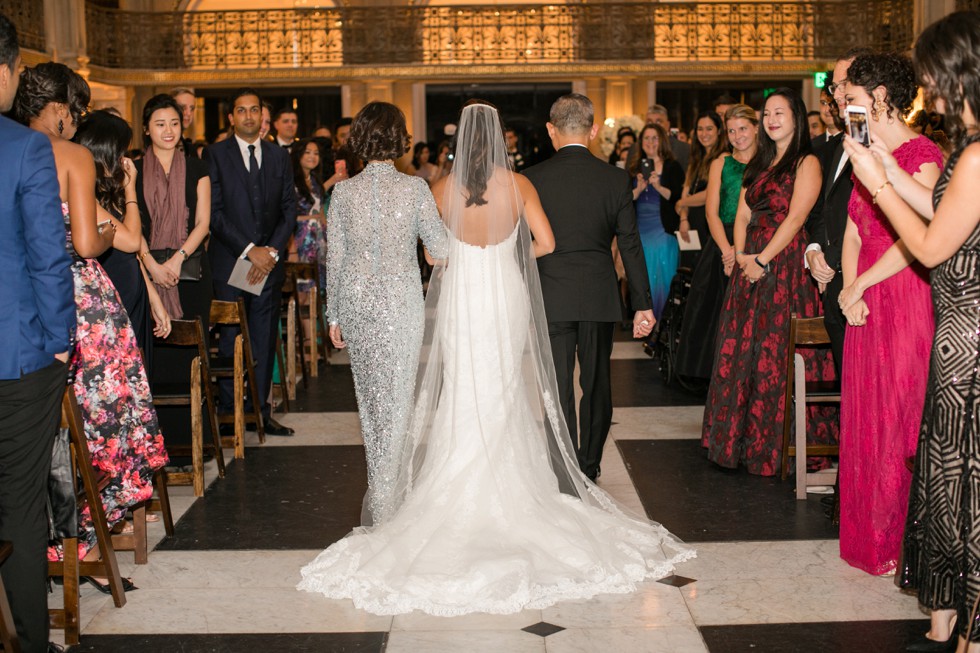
(477, 176)
(378, 133)
(947, 60)
(46, 83)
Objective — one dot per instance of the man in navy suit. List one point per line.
(253, 213)
(36, 329)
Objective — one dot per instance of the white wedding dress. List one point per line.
(494, 514)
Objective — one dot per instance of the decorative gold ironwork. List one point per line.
(791, 30)
(967, 4)
(28, 18)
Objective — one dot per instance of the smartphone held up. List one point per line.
(857, 124)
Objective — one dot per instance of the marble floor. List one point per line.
(767, 577)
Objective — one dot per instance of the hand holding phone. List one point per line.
(646, 168)
(340, 167)
(857, 124)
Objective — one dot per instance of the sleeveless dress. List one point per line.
(743, 417)
(699, 329)
(110, 385)
(941, 548)
(883, 386)
(486, 527)
(659, 247)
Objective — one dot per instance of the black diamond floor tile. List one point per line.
(677, 581)
(278, 498)
(543, 629)
(699, 501)
(235, 643)
(863, 636)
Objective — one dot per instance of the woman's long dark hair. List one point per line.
(798, 148)
(701, 158)
(107, 137)
(637, 154)
(476, 176)
(299, 177)
(417, 153)
(947, 60)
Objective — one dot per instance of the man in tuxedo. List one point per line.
(589, 203)
(36, 328)
(286, 123)
(829, 217)
(253, 213)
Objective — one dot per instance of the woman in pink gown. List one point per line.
(887, 303)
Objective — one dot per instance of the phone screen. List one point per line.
(857, 127)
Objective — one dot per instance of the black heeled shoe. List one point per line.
(127, 584)
(923, 643)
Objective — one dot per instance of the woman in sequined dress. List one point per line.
(109, 381)
(940, 557)
(374, 291)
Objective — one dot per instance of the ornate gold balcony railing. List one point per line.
(29, 19)
(495, 34)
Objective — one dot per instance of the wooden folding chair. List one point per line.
(190, 333)
(70, 568)
(240, 367)
(8, 631)
(808, 332)
(310, 310)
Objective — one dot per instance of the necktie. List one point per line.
(254, 181)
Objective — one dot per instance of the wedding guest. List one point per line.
(815, 123)
(708, 146)
(517, 162)
(309, 238)
(266, 122)
(187, 101)
(657, 115)
(37, 342)
(656, 189)
(106, 136)
(323, 132)
(444, 160)
(743, 416)
(420, 163)
(625, 140)
(108, 377)
(588, 204)
(252, 217)
(374, 302)
(939, 556)
(886, 359)
(833, 123)
(286, 124)
(722, 104)
(174, 198)
(341, 132)
(709, 280)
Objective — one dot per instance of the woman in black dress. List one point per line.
(941, 557)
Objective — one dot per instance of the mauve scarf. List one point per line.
(167, 204)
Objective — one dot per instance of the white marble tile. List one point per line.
(628, 350)
(672, 639)
(805, 598)
(222, 569)
(419, 621)
(264, 610)
(652, 604)
(752, 560)
(313, 429)
(474, 641)
(657, 423)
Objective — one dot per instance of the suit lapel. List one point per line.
(235, 160)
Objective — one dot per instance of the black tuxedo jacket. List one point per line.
(829, 217)
(234, 224)
(588, 203)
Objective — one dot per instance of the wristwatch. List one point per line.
(181, 250)
(765, 268)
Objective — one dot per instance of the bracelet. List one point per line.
(181, 250)
(740, 253)
(143, 255)
(874, 195)
(128, 202)
(766, 267)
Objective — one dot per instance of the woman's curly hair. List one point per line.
(50, 82)
(378, 132)
(892, 70)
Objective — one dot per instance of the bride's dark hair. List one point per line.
(479, 172)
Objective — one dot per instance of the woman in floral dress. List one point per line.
(109, 381)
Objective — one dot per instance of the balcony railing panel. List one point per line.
(28, 18)
(496, 34)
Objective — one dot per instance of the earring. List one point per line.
(61, 127)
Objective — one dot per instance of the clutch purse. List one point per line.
(190, 269)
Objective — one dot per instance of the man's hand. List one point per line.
(63, 357)
(643, 322)
(819, 270)
(262, 263)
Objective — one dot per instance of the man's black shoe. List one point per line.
(272, 427)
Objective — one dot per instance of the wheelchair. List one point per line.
(666, 337)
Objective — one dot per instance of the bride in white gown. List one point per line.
(492, 513)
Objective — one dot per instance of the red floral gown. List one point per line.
(883, 386)
(121, 428)
(743, 417)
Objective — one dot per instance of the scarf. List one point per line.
(169, 214)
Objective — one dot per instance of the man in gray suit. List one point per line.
(588, 203)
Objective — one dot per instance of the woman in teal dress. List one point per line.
(699, 328)
(657, 187)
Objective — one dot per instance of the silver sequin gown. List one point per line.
(374, 292)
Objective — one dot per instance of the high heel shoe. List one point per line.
(926, 644)
(127, 584)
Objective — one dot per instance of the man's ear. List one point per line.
(593, 131)
(551, 130)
